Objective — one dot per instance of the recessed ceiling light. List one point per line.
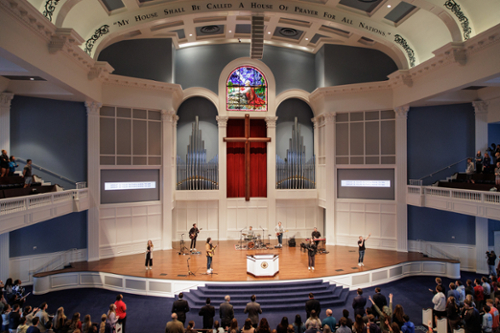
(389, 6)
(269, 32)
(230, 31)
(307, 38)
(190, 35)
(32, 78)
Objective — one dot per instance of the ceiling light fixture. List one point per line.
(32, 78)
(307, 38)
(269, 32)
(389, 6)
(190, 35)
(230, 31)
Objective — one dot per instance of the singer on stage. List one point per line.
(193, 234)
(210, 249)
(279, 232)
(315, 235)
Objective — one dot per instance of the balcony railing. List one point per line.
(466, 195)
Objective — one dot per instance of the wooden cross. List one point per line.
(247, 140)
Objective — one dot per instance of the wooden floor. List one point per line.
(230, 264)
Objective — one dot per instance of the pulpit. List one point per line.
(263, 264)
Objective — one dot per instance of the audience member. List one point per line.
(263, 326)
(408, 326)
(461, 291)
(439, 301)
(472, 318)
(371, 326)
(181, 307)
(75, 323)
(453, 291)
(359, 324)
(87, 323)
(487, 322)
(379, 300)
(470, 170)
(469, 289)
(312, 304)
(112, 319)
(452, 313)
(343, 326)
(359, 303)
(345, 314)
(105, 326)
(121, 312)
(5, 317)
(439, 282)
(248, 327)
(479, 162)
(14, 317)
(233, 326)
(208, 314)
(174, 326)
(253, 309)
(486, 287)
(4, 163)
(34, 326)
(43, 317)
(290, 329)
(486, 163)
(313, 320)
(217, 328)
(298, 325)
(329, 320)
(190, 328)
(27, 174)
(59, 319)
(23, 327)
(397, 316)
(48, 327)
(226, 312)
(12, 166)
(494, 314)
(283, 325)
(478, 294)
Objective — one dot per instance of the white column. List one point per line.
(481, 245)
(271, 173)
(222, 123)
(330, 176)
(5, 99)
(169, 120)
(93, 179)
(401, 178)
(4, 256)
(481, 115)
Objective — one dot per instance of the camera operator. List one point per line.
(491, 257)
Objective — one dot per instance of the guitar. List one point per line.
(279, 233)
(195, 234)
(210, 253)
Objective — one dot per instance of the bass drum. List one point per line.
(251, 245)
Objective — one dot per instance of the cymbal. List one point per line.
(244, 234)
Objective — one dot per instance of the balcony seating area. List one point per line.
(13, 187)
(482, 182)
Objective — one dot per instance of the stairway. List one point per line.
(271, 296)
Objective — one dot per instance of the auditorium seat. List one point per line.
(467, 186)
(36, 189)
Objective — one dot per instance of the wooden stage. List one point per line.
(230, 264)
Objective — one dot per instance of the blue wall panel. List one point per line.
(440, 226)
(59, 234)
(493, 225)
(437, 137)
(53, 134)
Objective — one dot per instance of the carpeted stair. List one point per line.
(271, 296)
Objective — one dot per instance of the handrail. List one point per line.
(423, 249)
(45, 267)
(47, 170)
(447, 167)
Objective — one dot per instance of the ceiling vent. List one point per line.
(257, 44)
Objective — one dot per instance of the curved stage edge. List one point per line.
(171, 287)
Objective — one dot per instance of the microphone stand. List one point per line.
(189, 269)
(241, 238)
(262, 236)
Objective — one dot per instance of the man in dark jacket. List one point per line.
(180, 307)
(226, 313)
(253, 309)
(358, 304)
(312, 304)
(208, 313)
(379, 300)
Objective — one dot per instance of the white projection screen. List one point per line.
(119, 186)
(375, 184)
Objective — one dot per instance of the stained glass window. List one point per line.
(246, 90)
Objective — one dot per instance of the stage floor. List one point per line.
(230, 264)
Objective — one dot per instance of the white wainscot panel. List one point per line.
(372, 207)
(388, 208)
(342, 223)
(342, 207)
(140, 227)
(107, 232)
(124, 232)
(123, 211)
(388, 225)
(357, 223)
(139, 211)
(373, 224)
(357, 207)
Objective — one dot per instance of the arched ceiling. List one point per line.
(408, 31)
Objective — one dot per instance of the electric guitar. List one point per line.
(195, 234)
(210, 253)
(279, 233)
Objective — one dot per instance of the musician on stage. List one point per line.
(193, 234)
(311, 254)
(250, 233)
(279, 232)
(315, 235)
(210, 250)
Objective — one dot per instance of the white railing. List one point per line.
(19, 204)
(81, 185)
(416, 182)
(467, 195)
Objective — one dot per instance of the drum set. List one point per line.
(251, 242)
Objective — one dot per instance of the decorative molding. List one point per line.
(460, 55)
(271, 122)
(464, 21)
(168, 116)
(101, 31)
(93, 108)
(5, 99)
(222, 121)
(50, 7)
(411, 54)
(330, 117)
(402, 111)
(101, 70)
(175, 89)
(64, 37)
(480, 107)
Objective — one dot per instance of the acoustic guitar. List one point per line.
(195, 234)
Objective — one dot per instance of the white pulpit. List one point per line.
(263, 264)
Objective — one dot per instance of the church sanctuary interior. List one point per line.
(143, 118)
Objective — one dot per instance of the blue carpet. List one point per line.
(150, 314)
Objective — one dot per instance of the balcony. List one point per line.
(468, 202)
(19, 212)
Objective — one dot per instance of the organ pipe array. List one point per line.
(195, 173)
(294, 172)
